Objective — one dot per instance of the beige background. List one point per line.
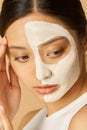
(28, 101)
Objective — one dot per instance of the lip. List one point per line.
(46, 89)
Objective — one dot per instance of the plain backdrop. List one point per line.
(29, 102)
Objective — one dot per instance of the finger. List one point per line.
(3, 46)
(13, 78)
(6, 125)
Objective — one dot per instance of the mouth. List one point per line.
(46, 89)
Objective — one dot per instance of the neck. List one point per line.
(76, 91)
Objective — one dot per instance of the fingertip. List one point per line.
(1, 39)
(4, 41)
(0, 36)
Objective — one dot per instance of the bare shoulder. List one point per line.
(79, 121)
(27, 118)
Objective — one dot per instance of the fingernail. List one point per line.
(2, 110)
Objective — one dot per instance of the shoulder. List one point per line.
(27, 118)
(79, 121)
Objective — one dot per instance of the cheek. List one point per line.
(25, 72)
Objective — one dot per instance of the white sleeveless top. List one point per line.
(60, 120)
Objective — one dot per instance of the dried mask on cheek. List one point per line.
(64, 73)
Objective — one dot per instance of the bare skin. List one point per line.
(9, 90)
(16, 37)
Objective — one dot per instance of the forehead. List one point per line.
(18, 25)
(18, 28)
(39, 32)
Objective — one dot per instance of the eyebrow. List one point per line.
(51, 41)
(43, 44)
(16, 47)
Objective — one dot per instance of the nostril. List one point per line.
(43, 74)
(48, 74)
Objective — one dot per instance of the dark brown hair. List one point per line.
(69, 11)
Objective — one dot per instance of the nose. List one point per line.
(42, 72)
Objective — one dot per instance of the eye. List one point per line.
(56, 53)
(22, 59)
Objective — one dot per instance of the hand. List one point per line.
(5, 123)
(10, 91)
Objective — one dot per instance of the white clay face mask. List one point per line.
(64, 73)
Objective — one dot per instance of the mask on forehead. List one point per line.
(66, 71)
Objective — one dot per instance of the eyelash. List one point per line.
(55, 53)
(22, 59)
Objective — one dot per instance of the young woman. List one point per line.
(45, 41)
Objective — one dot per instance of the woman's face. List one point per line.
(44, 61)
